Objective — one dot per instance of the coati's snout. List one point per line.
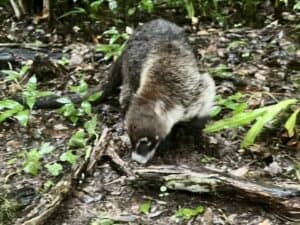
(144, 150)
(146, 130)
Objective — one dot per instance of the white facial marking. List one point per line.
(142, 159)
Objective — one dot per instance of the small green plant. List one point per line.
(189, 8)
(69, 157)
(54, 169)
(15, 76)
(296, 6)
(74, 11)
(291, 123)
(221, 71)
(102, 221)
(10, 108)
(71, 111)
(78, 140)
(146, 5)
(207, 159)
(32, 164)
(145, 207)
(235, 103)
(189, 213)
(116, 43)
(261, 116)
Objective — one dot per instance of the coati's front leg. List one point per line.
(125, 96)
(192, 128)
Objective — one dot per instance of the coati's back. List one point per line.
(161, 85)
(143, 40)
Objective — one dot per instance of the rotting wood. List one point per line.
(284, 201)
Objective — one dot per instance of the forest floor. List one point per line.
(263, 64)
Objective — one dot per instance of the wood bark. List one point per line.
(284, 201)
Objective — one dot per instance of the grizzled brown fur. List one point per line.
(161, 84)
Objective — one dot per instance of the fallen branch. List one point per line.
(285, 202)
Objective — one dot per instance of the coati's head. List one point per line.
(146, 130)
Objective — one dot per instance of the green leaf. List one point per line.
(207, 159)
(46, 148)
(145, 207)
(69, 157)
(54, 169)
(43, 93)
(263, 119)
(82, 88)
(189, 8)
(78, 139)
(86, 107)
(297, 6)
(34, 155)
(103, 221)
(23, 117)
(64, 100)
(112, 4)
(32, 164)
(189, 213)
(96, 4)
(94, 97)
(291, 123)
(69, 111)
(25, 68)
(11, 75)
(6, 114)
(77, 10)
(215, 111)
(10, 104)
(131, 11)
(48, 184)
(12, 161)
(90, 126)
(235, 121)
(32, 167)
(237, 44)
(147, 5)
(30, 92)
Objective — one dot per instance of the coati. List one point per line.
(161, 85)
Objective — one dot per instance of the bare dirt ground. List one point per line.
(264, 63)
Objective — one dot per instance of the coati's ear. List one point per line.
(144, 150)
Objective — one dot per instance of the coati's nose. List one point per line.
(144, 151)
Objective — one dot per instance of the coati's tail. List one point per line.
(107, 88)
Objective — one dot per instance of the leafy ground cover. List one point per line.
(253, 68)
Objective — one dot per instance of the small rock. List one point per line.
(240, 172)
(274, 168)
